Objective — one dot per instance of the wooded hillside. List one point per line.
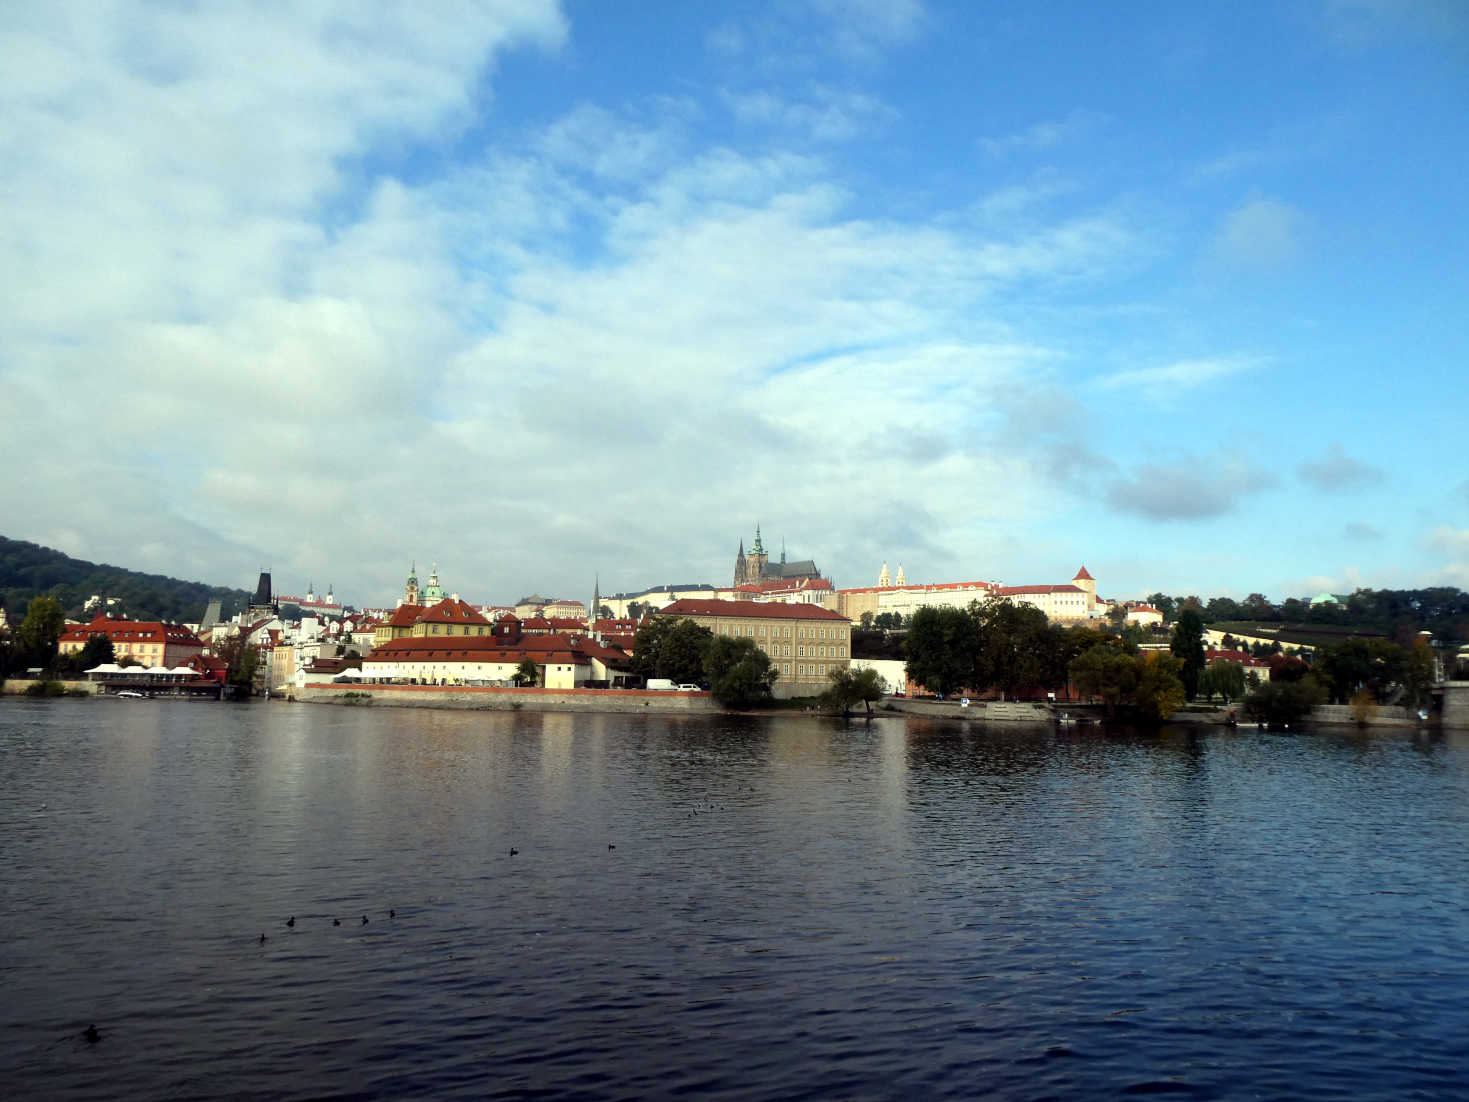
(29, 570)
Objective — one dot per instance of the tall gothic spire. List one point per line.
(757, 549)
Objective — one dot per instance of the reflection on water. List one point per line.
(754, 907)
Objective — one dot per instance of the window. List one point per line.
(786, 669)
(801, 651)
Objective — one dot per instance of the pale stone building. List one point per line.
(805, 642)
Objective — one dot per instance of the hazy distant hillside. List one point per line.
(29, 570)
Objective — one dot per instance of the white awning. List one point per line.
(186, 671)
(106, 667)
(157, 670)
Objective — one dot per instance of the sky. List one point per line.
(553, 293)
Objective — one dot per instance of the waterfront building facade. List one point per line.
(151, 642)
(805, 643)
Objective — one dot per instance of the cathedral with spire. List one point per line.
(755, 568)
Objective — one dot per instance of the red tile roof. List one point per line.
(404, 616)
(130, 631)
(489, 648)
(1082, 575)
(760, 610)
(450, 611)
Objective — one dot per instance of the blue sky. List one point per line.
(545, 291)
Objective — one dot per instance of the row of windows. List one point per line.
(777, 651)
(783, 632)
(806, 669)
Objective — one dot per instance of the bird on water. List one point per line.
(262, 939)
(291, 921)
(392, 913)
(336, 922)
(364, 920)
(91, 1034)
(513, 851)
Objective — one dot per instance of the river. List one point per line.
(610, 907)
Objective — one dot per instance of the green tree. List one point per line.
(1227, 679)
(1164, 604)
(740, 674)
(38, 633)
(1188, 647)
(852, 686)
(671, 647)
(1418, 674)
(866, 620)
(1159, 691)
(1282, 703)
(525, 674)
(1017, 647)
(1106, 671)
(941, 649)
(1377, 665)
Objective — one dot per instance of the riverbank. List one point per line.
(617, 701)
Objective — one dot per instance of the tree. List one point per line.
(1117, 617)
(852, 686)
(1417, 674)
(1188, 646)
(1159, 692)
(636, 609)
(740, 674)
(1107, 671)
(1281, 703)
(1373, 664)
(666, 646)
(941, 648)
(604, 611)
(38, 633)
(1164, 604)
(866, 620)
(525, 674)
(1017, 647)
(1225, 678)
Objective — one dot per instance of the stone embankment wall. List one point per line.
(1455, 704)
(17, 686)
(1342, 714)
(496, 699)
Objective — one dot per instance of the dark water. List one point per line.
(794, 909)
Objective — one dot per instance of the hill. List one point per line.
(29, 570)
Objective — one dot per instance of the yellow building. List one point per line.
(805, 643)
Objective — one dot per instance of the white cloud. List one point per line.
(520, 364)
(1042, 136)
(1169, 380)
(863, 29)
(1261, 234)
(827, 115)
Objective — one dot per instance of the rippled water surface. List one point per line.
(750, 908)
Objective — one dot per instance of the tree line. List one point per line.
(1396, 613)
(28, 570)
(1013, 649)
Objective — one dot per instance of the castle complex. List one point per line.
(756, 567)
